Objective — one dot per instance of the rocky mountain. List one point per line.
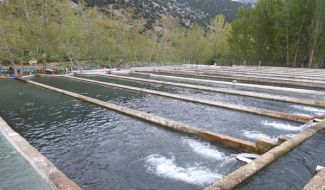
(187, 11)
(246, 1)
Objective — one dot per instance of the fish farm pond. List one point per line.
(162, 130)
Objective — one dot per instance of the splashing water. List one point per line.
(166, 167)
(282, 126)
(315, 111)
(256, 135)
(204, 149)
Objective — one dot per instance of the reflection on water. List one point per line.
(220, 120)
(242, 100)
(100, 149)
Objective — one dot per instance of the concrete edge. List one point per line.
(286, 89)
(242, 174)
(219, 139)
(261, 76)
(303, 101)
(45, 168)
(317, 182)
(261, 72)
(308, 84)
(54, 75)
(260, 86)
(248, 109)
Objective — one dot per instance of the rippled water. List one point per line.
(220, 120)
(242, 100)
(253, 89)
(292, 171)
(15, 171)
(100, 149)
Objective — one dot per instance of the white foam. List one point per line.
(310, 109)
(229, 160)
(291, 135)
(205, 149)
(166, 167)
(282, 126)
(256, 135)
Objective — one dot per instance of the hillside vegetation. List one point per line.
(54, 31)
(275, 32)
(281, 32)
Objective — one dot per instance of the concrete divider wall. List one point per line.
(242, 174)
(249, 73)
(253, 110)
(286, 74)
(220, 139)
(274, 81)
(259, 70)
(317, 182)
(310, 102)
(55, 178)
(262, 77)
(189, 79)
(228, 182)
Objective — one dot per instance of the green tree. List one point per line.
(194, 48)
(280, 32)
(241, 39)
(217, 36)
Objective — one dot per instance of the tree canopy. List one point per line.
(274, 32)
(51, 30)
(281, 32)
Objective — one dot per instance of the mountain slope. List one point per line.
(187, 11)
(246, 1)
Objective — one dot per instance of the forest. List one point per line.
(281, 32)
(273, 32)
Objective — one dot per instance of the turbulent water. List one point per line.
(293, 170)
(316, 111)
(257, 134)
(100, 149)
(167, 167)
(220, 120)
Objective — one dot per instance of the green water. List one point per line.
(15, 171)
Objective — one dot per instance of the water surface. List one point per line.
(221, 97)
(235, 87)
(100, 149)
(293, 170)
(230, 122)
(15, 172)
